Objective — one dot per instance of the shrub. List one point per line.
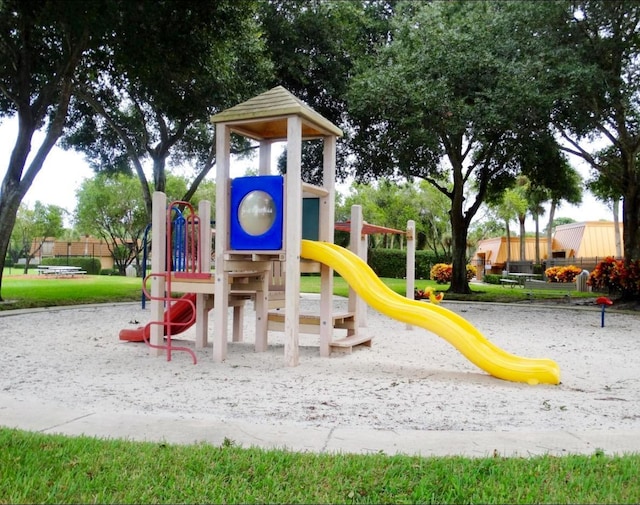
(491, 278)
(393, 262)
(613, 276)
(562, 274)
(471, 272)
(441, 272)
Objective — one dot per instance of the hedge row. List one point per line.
(392, 263)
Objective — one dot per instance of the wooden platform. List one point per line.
(310, 323)
(240, 283)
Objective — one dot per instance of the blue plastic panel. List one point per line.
(257, 213)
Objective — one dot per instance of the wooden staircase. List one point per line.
(310, 323)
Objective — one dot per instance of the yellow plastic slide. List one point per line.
(443, 322)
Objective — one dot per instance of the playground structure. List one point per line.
(258, 227)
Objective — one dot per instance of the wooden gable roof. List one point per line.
(264, 117)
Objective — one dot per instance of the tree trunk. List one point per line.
(9, 204)
(459, 232)
(631, 224)
(508, 229)
(523, 244)
(536, 219)
(552, 212)
(631, 209)
(459, 282)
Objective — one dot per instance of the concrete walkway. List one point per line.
(177, 429)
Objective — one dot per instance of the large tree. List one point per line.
(446, 99)
(174, 64)
(33, 228)
(314, 46)
(593, 50)
(45, 48)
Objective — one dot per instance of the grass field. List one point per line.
(37, 468)
(31, 291)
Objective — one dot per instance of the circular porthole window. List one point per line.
(257, 213)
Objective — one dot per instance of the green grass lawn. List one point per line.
(37, 468)
(19, 291)
(480, 292)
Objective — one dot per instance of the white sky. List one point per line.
(64, 171)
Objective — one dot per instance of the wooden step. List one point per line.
(310, 323)
(347, 344)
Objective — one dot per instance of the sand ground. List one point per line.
(408, 379)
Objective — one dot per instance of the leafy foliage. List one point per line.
(441, 273)
(172, 65)
(592, 55)
(446, 101)
(113, 208)
(392, 263)
(614, 276)
(315, 47)
(391, 204)
(33, 227)
(562, 274)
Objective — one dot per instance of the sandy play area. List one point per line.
(408, 379)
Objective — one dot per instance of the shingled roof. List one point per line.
(264, 117)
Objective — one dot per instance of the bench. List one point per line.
(509, 282)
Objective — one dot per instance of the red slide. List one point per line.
(181, 319)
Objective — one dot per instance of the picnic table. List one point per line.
(60, 271)
(518, 278)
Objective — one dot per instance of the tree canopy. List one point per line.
(45, 48)
(172, 65)
(445, 101)
(592, 56)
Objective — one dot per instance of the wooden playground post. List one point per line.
(204, 259)
(326, 234)
(358, 244)
(264, 158)
(223, 160)
(411, 261)
(293, 236)
(158, 264)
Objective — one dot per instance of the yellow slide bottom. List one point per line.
(447, 324)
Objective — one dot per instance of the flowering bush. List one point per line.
(613, 276)
(562, 274)
(441, 272)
